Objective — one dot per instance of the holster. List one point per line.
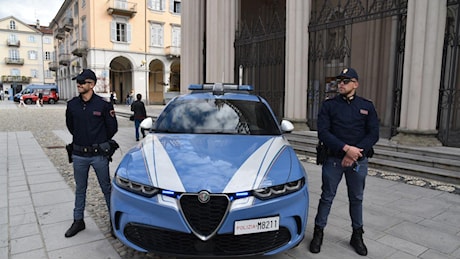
(321, 153)
(69, 149)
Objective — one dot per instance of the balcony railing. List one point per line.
(64, 59)
(53, 66)
(68, 24)
(123, 8)
(15, 61)
(79, 48)
(18, 79)
(172, 52)
(13, 43)
(60, 33)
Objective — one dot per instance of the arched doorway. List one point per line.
(121, 78)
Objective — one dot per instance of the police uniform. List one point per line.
(92, 124)
(344, 121)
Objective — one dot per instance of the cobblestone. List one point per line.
(41, 122)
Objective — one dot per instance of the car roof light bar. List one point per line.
(220, 87)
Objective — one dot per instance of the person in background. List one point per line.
(140, 114)
(349, 127)
(92, 122)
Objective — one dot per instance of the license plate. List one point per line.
(257, 225)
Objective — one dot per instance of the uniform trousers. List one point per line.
(355, 177)
(81, 166)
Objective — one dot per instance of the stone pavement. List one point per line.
(401, 220)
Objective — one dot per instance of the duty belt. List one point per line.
(94, 149)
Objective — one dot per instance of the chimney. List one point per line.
(38, 24)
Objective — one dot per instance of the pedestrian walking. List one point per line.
(138, 107)
(349, 127)
(92, 122)
(21, 102)
(40, 98)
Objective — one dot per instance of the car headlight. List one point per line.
(138, 188)
(279, 190)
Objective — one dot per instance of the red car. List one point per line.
(50, 96)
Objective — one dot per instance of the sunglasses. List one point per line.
(83, 82)
(345, 81)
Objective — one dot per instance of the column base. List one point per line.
(416, 138)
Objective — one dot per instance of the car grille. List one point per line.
(177, 243)
(204, 218)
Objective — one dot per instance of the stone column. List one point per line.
(422, 71)
(297, 19)
(221, 22)
(192, 30)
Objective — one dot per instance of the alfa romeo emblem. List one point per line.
(204, 196)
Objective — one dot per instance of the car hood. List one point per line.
(216, 163)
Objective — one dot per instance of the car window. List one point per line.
(221, 116)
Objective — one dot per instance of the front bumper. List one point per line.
(157, 225)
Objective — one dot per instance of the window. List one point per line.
(121, 4)
(31, 38)
(14, 54)
(175, 36)
(83, 29)
(83, 3)
(47, 40)
(34, 73)
(13, 39)
(47, 55)
(48, 74)
(75, 9)
(120, 32)
(156, 32)
(157, 5)
(174, 6)
(12, 25)
(15, 72)
(32, 55)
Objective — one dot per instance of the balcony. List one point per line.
(79, 48)
(64, 59)
(122, 8)
(53, 66)
(60, 33)
(14, 61)
(13, 43)
(68, 24)
(17, 79)
(172, 52)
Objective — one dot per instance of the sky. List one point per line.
(28, 11)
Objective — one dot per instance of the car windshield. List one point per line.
(217, 116)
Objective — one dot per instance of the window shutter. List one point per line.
(113, 31)
(128, 33)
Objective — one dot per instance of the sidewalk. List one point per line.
(401, 220)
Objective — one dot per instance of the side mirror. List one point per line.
(146, 123)
(287, 126)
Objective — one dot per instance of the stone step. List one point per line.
(438, 163)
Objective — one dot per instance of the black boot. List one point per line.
(357, 241)
(317, 241)
(77, 226)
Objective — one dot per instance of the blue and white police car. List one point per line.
(214, 177)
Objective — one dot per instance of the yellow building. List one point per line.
(26, 51)
(131, 45)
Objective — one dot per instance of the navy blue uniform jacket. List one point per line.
(91, 122)
(353, 122)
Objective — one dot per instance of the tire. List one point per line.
(51, 101)
(28, 101)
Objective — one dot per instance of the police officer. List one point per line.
(348, 125)
(92, 122)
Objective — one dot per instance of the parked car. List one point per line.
(31, 92)
(214, 177)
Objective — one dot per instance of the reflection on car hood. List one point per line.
(217, 163)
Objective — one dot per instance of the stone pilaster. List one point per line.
(422, 71)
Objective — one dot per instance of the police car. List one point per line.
(214, 177)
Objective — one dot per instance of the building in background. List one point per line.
(26, 50)
(130, 45)
(405, 51)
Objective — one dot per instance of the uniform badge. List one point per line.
(96, 113)
(344, 71)
(363, 111)
(112, 113)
